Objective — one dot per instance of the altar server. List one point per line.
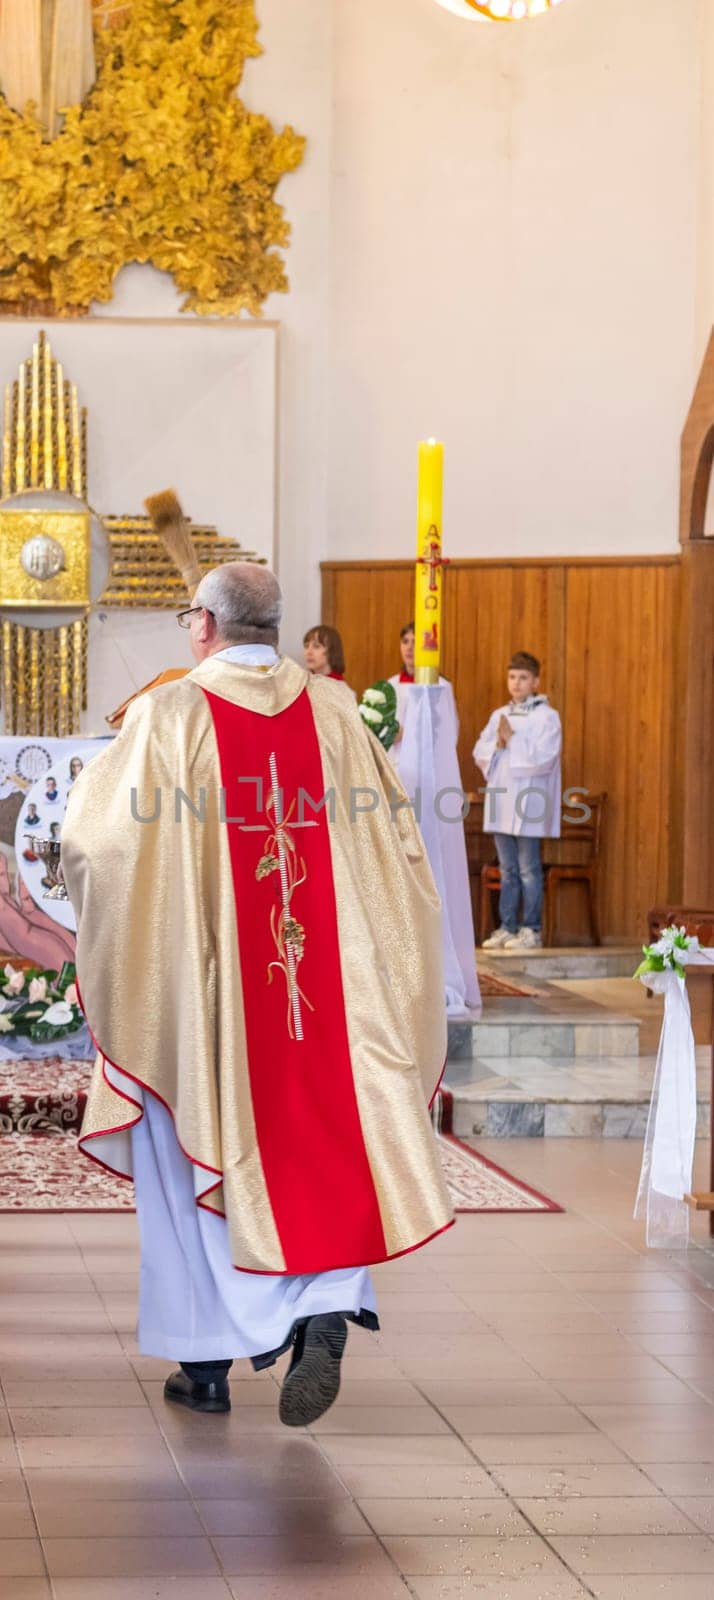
(324, 654)
(260, 963)
(519, 754)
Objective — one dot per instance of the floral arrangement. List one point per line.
(378, 708)
(40, 1005)
(162, 163)
(664, 955)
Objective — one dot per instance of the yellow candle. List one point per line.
(429, 572)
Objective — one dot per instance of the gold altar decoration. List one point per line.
(44, 448)
(44, 559)
(162, 163)
(143, 577)
(44, 678)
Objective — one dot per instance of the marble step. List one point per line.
(584, 1098)
(602, 961)
(543, 1027)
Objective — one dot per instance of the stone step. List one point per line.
(542, 1028)
(602, 961)
(584, 1098)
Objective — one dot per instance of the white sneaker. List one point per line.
(525, 939)
(498, 940)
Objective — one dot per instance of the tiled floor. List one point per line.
(536, 1422)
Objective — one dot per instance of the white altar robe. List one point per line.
(193, 1303)
(429, 767)
(402, 692)
(523, 781)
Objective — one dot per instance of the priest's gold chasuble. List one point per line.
(262, 952)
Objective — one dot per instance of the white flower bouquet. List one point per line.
(378, 709)
(669, 954)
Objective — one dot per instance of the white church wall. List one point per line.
(705, 197)
(494, 238)
(194, 406)
(169, 403)
(513, 269)
(290, 83)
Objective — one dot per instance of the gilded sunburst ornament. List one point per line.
(162, 163)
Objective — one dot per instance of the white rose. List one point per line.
(71, 995)
(16, 981)
(38, 989)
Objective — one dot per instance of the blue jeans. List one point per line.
(521, 879)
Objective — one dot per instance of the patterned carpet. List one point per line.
(40, 1095)
(493, 986)
(41, 1168)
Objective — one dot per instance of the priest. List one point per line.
(259, 958)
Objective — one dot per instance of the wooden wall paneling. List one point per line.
(619, 725)
(660, 668)
(368, 606)
(695, 709)
(606, 631)
(499, 610)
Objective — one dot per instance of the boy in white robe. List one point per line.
(519, 755)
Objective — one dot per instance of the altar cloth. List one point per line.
(429, 771)
(668, 1157)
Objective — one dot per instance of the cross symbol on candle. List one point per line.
(434, 560)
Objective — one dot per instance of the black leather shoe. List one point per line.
(313, 1380)
(182, 1391)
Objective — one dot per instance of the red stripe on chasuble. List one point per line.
(307, 1120)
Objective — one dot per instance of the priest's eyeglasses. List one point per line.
(183, 618)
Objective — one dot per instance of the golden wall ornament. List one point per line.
(53, 549)
(44, 559)
(162, 163)
(58, 558)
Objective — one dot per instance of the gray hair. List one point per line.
(246, 601)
